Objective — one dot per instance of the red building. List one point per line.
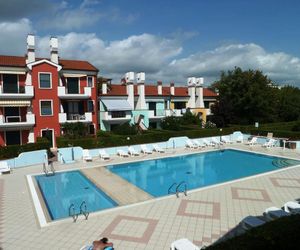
(38, 95)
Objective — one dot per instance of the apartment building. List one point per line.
(39, 95)
(146, 105)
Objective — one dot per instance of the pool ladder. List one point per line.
(83, 211)
(177, 190)
(49, 172)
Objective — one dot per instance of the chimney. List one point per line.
(129, 79)
(104, 88)
(159, 87)
(199, 92)
(30, 48)
(172, 88)
(140, 79)
(54, 50)
(191, 82)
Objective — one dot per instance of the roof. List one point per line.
(20, 61)
(151, 90)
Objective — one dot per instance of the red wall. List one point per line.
(44, 122)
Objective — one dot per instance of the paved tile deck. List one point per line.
(203, 216)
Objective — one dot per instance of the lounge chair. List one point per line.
(251, 221)
(90, 247)
(215, 141)
(157, 148)
(184, 244)
(199, 144)
(270, 143)
(4, 167)
(207, 142)
(122, 153)
(132, 151)
(86, 155)
(103, 155)
(226, 140)
(190, 144)
(292, 207)
(252, 142)
(145, 150)
(272, 213)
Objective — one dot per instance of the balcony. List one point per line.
(157, 114)
(22, 93)
(17, 122)
(62, 93)
(174, 112)
(115, 116)
(64, 117)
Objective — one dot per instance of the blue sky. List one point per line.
(168, 39)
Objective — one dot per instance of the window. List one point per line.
(90, 106)
(90, 82)
(45, 80)
(73, 85)
(46, 108)
(10, 83)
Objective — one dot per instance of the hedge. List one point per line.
(12, 151)
(281, 233)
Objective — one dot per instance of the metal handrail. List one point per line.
(169, 190)
(72, 212)
(84, 211)
(185, 188)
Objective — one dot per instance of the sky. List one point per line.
(169, 40)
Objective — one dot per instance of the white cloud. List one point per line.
(13, 36)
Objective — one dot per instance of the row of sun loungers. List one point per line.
(206, 142)
(122, 153)
(271, 213)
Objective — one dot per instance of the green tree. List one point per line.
(171, 123)
(244, 98)
(75, 130)
(289, 103)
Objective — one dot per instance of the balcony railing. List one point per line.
(62, 92)
(17, 121)
(64, 117)
(22, 92)
(115, 115)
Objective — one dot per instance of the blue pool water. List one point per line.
(197, 170)
(66, 188)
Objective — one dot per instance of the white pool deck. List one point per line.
(203, 216)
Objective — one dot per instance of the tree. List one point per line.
(289, 104)
(75, 130)
(245, 97)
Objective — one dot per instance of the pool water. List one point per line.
(66, 188)
(197, 170)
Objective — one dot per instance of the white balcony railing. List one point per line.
(63, 93)
(115, 116)
(63, 117)
(156, 114)
(22, 93)
(8, 122)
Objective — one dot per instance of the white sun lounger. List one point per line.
(215, 141)
(272, 213)
(86, 155)
(157, 148)
(103, 155)
(292, 207)
(251, 221)
(207, 142)
(199, 144)
(132, 151)
(145, 150)
(240, 139)
(4, 167)
(122, 153)
(252, 142)
(270, 143)
(190, 144)
(183, 244)
(226, 140)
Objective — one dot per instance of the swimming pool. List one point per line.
(63, 189)
(197, 170)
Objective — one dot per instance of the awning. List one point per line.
(15, 103)
(12, 72)
(74, 75)
(116, 105)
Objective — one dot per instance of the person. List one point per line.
(102, 244)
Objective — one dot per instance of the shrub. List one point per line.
(296, 127)
(190, 119)
(75, 130)
(125, 129)
(12, 151)
(171, 123)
